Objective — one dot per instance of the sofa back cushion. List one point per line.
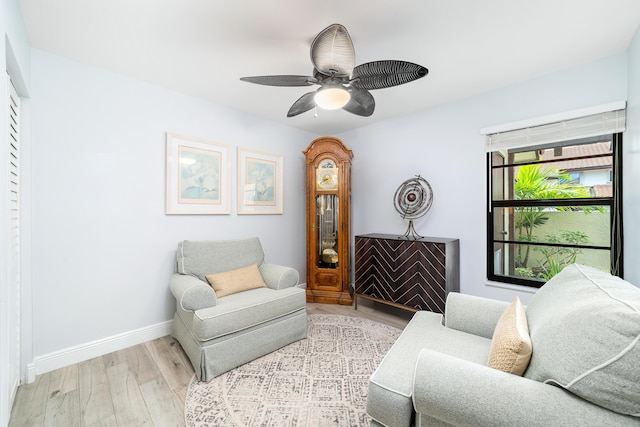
(585, 332)
(217, 256)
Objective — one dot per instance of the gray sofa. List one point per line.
(584, 370)
(221, 333)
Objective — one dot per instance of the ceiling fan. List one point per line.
(342, 84)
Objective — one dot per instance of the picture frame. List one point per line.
(198, 176)
(260, 182)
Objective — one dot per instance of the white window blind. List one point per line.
(595, 121)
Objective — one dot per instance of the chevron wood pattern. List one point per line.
(415, 273)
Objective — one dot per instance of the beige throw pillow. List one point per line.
(511, 345)
(234, 281)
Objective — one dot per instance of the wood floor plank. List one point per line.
(172, 361)
(140, 363)
(115, 358)
(128, 401)
(63, 380)
(110, 421)
(63, 410)
(30, 403)
(162, 403)
(95, 399)
(181, 394)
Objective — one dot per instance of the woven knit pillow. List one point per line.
(234, 281)
(511, 346)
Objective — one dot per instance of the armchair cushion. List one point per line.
(234, 281)
(245, 310)
(585, 329)
(511, 345)
(209, 257)
(460, 392)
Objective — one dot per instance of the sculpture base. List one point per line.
(411, 232)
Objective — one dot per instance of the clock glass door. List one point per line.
(327, 230)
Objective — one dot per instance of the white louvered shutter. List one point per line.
(14, 238)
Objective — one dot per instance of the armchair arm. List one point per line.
(460, 393)
(278, 276)
(472, 314)
(191, 293)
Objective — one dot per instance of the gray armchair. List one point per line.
(584, 327)
(221, 333)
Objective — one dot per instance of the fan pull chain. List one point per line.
(315, 111)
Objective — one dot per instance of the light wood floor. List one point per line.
(141, 385)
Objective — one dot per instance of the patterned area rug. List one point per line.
(319, 381)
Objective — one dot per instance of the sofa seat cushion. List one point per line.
(585, 331)
(390, 387)
(245, 310)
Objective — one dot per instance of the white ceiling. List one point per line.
(203, 47)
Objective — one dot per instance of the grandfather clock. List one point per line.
(328, 163)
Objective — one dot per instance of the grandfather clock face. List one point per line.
(327, 175)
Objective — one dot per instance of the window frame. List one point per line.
(614, 203)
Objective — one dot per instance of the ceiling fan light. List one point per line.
(332, 98)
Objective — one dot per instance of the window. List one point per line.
(553, 203)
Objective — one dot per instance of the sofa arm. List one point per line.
(191, 293)
(278, 276)
(460, 392)
(472, 314)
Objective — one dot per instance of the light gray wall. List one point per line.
(631, 170)
(444, 146)
(103, 247)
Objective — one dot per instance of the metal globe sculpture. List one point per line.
(413, 200)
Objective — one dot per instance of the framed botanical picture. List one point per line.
(260, 187)
(198, 176)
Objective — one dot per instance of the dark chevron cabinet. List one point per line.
(414, 274)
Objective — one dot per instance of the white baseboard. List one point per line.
(31, 373)
(69, 356)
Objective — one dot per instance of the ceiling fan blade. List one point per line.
(388, 73)
(361, 102)
(302, 105)
(281, 80)
(332, 51)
